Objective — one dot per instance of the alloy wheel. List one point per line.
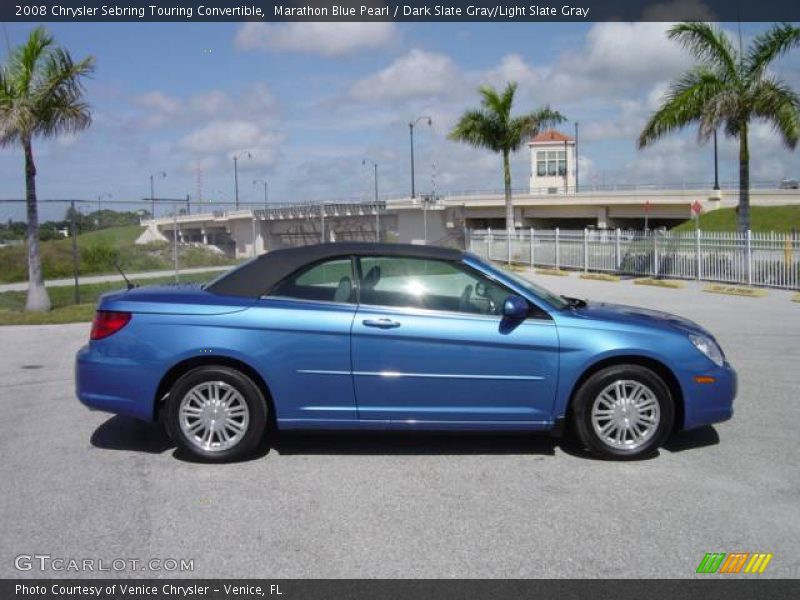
(214, 416)
(626, 414)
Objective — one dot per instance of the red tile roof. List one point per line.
(551, 135)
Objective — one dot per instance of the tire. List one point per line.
(216, 414)
(623, 412)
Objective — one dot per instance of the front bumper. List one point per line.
(116, 385)
(707, 403)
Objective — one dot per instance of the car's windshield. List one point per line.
(553, 299)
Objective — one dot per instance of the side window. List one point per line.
(329, 281)
(431, 284)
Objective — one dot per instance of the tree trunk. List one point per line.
(509, 200)
(38, 300)
(744, 180)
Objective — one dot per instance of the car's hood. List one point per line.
(639, 316)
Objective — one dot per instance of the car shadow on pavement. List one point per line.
(413, 443)
(692, 439)
(126, 433)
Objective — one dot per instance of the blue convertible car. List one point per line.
(357, 336)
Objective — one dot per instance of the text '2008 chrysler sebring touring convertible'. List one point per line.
(360, 336)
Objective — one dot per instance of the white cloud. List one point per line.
(158, 109)
(616, 58)
(416, 74)
(327, 39)
(512, 67)
(232, 137)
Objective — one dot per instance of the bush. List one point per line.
(98, 256)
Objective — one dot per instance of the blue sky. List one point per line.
(310, 101)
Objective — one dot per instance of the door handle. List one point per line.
(381, 323)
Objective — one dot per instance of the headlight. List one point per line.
(709, 348)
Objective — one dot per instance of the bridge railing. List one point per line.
(769, 259)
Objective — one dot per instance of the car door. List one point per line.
(304, 351)
(429, 344)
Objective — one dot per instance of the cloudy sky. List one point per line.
(310, 101)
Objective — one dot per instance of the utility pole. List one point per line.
(74, 227)
(576, 157)
(236, 158)
(716, 162)
(160, 175)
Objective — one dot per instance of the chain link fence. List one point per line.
(85, 244)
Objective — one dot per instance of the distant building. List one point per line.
(552, 163)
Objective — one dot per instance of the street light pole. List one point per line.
(236, 158)
(377, 206)
(411, 126)
(264, 181)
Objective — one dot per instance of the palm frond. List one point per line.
(776, 103)
(41, 91)
(686, 103)
(60, 75)
(771, 44)
(497, 102)
(24, 60)
(479, 128)
(526, 126)
(709, 44)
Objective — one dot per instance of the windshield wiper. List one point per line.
(574, 302)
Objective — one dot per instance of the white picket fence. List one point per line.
(765, 259)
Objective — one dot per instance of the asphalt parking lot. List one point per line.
(80, 484)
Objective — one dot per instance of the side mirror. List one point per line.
(515, 307)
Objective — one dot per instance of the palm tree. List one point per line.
(41, 94)
(493, 127)
(730, 88)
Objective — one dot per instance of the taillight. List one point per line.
(107, 322)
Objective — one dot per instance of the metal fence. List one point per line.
(754, 258)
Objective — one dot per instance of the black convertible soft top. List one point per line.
(257, 277)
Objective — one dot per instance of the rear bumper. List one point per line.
(707, 403)
(116, 385)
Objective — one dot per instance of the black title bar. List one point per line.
(715, 588)
(403, 10)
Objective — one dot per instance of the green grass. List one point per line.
(762, 218)
(98, 250)
(12, 304)
(77, 313)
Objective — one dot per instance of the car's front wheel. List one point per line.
(216, 414)
(623, 412)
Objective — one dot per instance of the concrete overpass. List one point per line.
(444, 219)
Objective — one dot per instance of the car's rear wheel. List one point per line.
(216, 414)
(623, 412)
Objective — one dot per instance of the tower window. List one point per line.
(551, 163)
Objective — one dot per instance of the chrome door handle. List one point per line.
(381, 323)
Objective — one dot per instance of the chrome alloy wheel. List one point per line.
(626, 414)
(214, 416)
